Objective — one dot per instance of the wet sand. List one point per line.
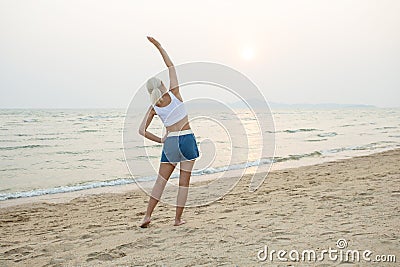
(309, 207)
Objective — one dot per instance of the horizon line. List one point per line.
(321, 105)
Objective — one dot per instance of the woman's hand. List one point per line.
(164, 137)
(154, 41)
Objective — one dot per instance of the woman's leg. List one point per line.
(164, 173)
(184, 179)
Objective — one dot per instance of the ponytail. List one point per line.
(153, 85)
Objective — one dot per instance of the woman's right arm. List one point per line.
(171, 68)
(145, 124)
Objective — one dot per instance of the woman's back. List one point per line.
(173, 115)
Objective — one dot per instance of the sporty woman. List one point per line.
(179, 142)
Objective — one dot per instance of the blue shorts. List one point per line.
(179, 148)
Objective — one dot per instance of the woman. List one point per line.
(179, 141)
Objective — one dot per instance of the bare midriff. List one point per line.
(181, 125)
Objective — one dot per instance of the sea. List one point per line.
(52, 151)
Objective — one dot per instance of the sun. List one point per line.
(248, 53)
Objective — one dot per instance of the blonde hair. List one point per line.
(153, 87)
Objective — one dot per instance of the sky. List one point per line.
(94, 54)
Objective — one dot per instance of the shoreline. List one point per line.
(65, 197)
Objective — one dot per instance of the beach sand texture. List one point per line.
(309, 207)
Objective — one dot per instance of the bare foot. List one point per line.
(146, 222)
(179, 222)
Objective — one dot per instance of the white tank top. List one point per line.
(174, 112)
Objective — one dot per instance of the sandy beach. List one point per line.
(309, 207)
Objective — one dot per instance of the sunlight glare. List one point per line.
(248, 53)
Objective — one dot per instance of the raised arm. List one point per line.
(171, 68)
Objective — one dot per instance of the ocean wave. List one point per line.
(87, 159)
(88, 131)
(370, 146)
(51, 138)
(22, 147)
(100, 117)
(147, 157)
(124, 181)
(301, 130)
(52, 133)
(298, 156)
(65, 189)
(329, 134)
(30, 120)
(211, 170)
(385, 128)
(12, 169)
(73, 152)
(238, 166)
(147, 146)
(43, 138)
